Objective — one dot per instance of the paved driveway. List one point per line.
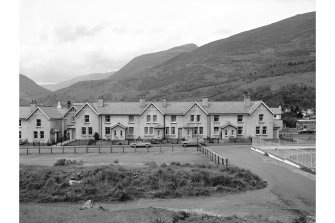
(294, 187)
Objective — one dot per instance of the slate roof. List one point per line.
(277, 111)
(24, 112)
(51, 112)
(175, 108)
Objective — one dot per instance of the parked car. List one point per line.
(193, 142)
(140, 144)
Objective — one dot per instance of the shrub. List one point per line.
(91, 142)
(96, 136)
(163, 165)
(116, 161)
(64, 162)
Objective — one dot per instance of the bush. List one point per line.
(96, 136)
(64, 162)
(116, 161)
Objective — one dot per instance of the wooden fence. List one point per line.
(212, 156)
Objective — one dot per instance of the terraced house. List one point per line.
(165, 119)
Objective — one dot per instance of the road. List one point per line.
(294, 187)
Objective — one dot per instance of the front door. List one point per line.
(180, 133)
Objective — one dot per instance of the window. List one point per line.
(114, 132)
(216, 130)
(158, 132)
(225, 132)
(90, 130)
(167, 130)
(87, 118)
(173, 118)
(146, 130)
(35, 135)
(240, 118)
(216, 118)
(275, 116)
(19, 134)
(20, 123)
(42, 134)
(264, 130)
(108, 118)
(173, 130)
(258, 130)
(195, 131)
(198, 118)
(121, 132)
(131, 119)
(192, 118)
(38, 122)
(232, 132)
(151, 130)
(107, 130)
(148, 118)
(239, 130)
(188, 132)
(83, 130)
(261, 116)
(154, 118)
(73, 119)
(201, 130)
(131, 130)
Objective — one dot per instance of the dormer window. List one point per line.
(87, 118)
(38, 122)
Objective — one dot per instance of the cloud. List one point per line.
(71, 34)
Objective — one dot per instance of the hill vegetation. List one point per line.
(29, 90)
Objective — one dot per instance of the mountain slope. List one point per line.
(87, 77)
(261, 61)
(146, 61)
(29, 90)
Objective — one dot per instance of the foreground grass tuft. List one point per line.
(116, 183)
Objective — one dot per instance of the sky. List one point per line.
(63, 39)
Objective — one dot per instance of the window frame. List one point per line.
(232, 132)
(258, 128)
(154, 119)
(239, 118)
(146, 130)
(266, 130)
(173, 130)
(261, 119)
(175, 119)
(41, 134)
(90, 128)
(216, 132)
(201, 130)
(20, 124)
(38, 123)
(131, 132)
(131, 120)
(216, 117)
(198, 118)
(83, 131)
(87, 117)
(240, 128)
(195, 131)
(109, 130)
(167, 130)
(108, 120)
(73, 119)
(35, 135)
(20, 134)
(148, 118)
(192, 118)
(151, 130)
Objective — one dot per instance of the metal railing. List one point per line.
(212, 156)
(302, 153)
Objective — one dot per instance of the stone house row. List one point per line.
(154, 120)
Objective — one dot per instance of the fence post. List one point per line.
(172, 148)
(63, 149)
(111, 149)
(160, 148)
(75, 149)
(51, 150)
(27, 150)
(222, 161)
(226, 162)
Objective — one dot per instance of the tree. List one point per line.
(96, 136)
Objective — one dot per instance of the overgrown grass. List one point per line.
(116, 183)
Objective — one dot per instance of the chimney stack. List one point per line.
(204, 101)
(68, 104)
(59, 106)
(142, 101)
(100, 101)
(164, 102)
(33, 105)
(247, 100)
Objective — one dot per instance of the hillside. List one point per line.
(29, 90)
(265, 62)
(87, 77)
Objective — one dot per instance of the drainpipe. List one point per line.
(164, 126)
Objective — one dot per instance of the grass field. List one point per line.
(130, 159)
